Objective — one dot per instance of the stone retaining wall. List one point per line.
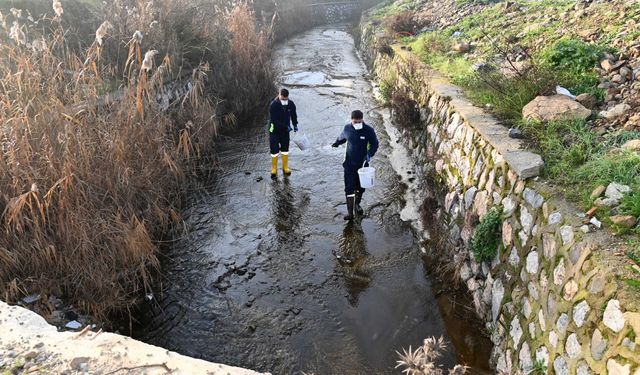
(547, 297)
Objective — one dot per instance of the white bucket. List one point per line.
(367, 176)
(301, 141)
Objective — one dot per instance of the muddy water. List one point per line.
(267, 275)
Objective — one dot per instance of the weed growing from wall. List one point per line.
(486, 239)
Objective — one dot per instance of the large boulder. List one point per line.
(553, 108)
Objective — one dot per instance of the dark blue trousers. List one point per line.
(279, 142)
(352, 181)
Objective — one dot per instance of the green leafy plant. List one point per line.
(486, 239)
(573, 55)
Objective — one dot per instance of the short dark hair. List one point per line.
(284, 92)
(357, 115)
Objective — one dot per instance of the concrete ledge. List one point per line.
(524, 163)
(27, 340)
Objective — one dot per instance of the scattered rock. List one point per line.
(632, 145)
(613, 317)
(610, 66)
(78, 362)
(597, 192)
(515, 133)
(624, 221)
(626, 73)
(616, 191)
(615, 111)
(554, 107)
(606, 202)
(461, 47)
(587, 100)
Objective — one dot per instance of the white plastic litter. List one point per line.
(562, 91)
(302, 141)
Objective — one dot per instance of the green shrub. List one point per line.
(574, 55)
(486, 239)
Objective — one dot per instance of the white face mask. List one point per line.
(284, 102)
(357, 126)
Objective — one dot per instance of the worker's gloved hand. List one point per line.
(368, 158)
(335, 144)
(295, 128)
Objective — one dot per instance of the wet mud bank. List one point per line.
(266, 274)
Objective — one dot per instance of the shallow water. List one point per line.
(268, 276)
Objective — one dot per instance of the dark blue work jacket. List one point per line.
(281, 116)
(361, 145)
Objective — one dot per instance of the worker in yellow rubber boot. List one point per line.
(282, 114)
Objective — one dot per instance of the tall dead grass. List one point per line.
(88, 182)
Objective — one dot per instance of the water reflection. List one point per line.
(287, 207)
(351, 256)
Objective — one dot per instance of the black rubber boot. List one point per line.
(350, 204)
(358, 209)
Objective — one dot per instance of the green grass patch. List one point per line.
(621, 167)
(486, 238)
(564, 145)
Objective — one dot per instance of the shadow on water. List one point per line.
(268, 276)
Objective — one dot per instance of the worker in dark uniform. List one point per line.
(282, 113)
(362, 145)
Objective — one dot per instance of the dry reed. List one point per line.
(88, 181)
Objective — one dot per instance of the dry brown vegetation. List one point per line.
(87, 183)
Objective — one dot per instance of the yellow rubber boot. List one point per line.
(274, 165)
(285, 164)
